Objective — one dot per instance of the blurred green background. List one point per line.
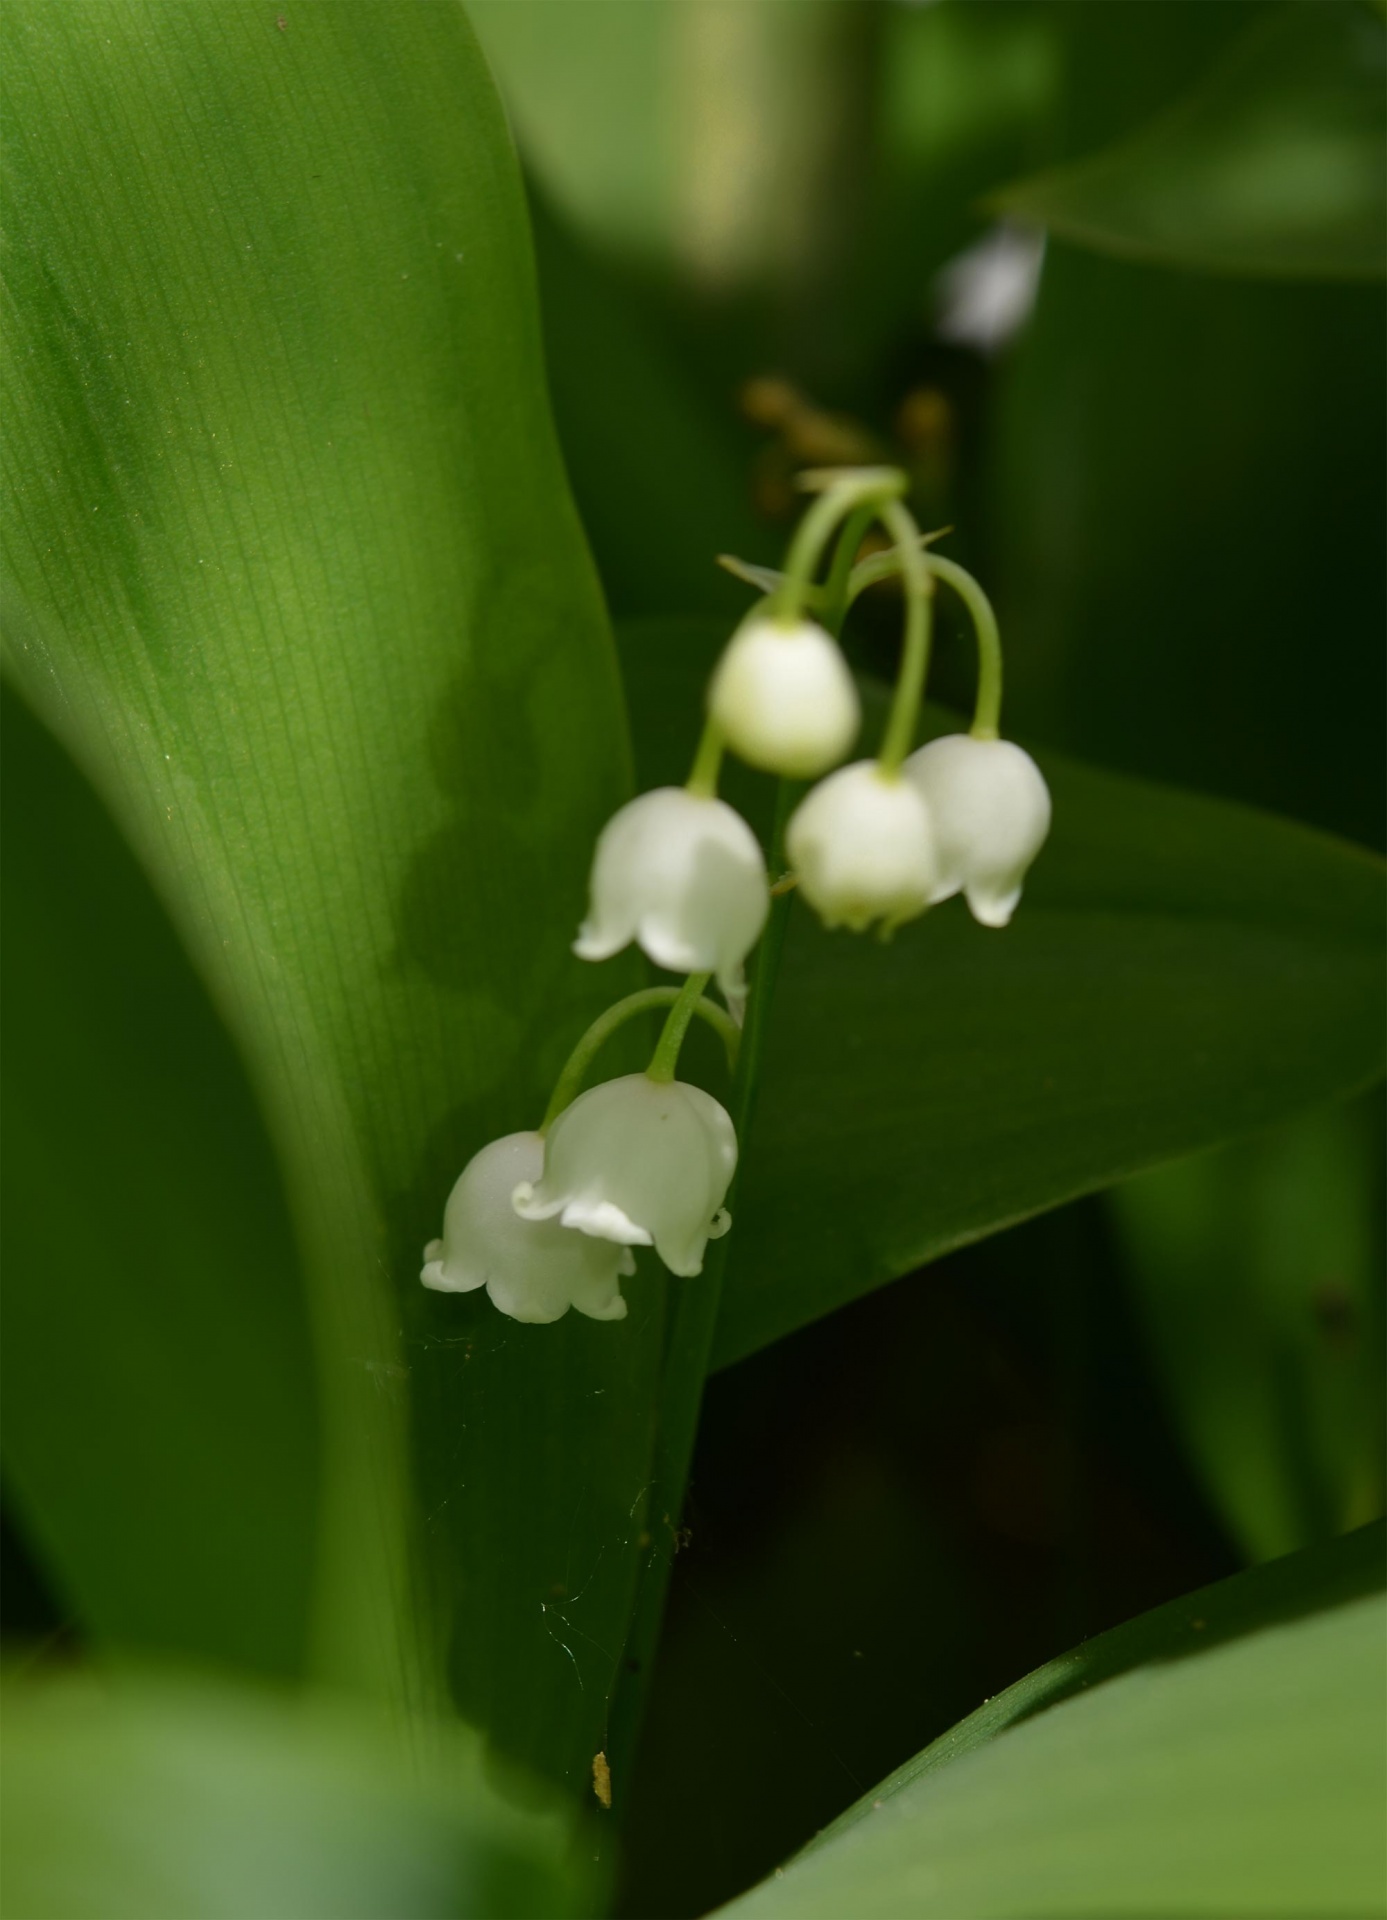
(1168, 470)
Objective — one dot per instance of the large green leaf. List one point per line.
(171, 1796)
(1273, 165)
(1180, 972)
(1257, 1271)
(292, 568)
(159, 1408)
(1229, 1758)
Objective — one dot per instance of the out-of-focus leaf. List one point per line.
(173, 1797)
(1229, 1759)
(1258, 1274)
(588, 91)
(1187, 493)
(294, 572)
(159, 1404)
(1179, 972)
(715, 141)
(1274, 165)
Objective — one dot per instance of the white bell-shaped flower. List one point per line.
(991, 812)
(683, 874)
(532, 1269)
(862, 846)
(783, 697)
(639, 1162)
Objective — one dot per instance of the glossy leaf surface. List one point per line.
(1223, 1754)
(1273, 165)
(1179, 972)
(292, 568)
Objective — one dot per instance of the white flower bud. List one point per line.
(640, 1162)
(683, 875)
(783, 697)
(991, 812)
(862, 846)
(533, 1270)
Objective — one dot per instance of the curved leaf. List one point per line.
(1257, 1273)
(1229, 1759)
(1180, 972)
(292, 568)
(1273, 166)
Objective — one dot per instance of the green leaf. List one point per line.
(173, 1797)
(1257, 1272)
(1228, 1759)
(292, 569)
(159, 1406)
(1180, 972)
(1272, 166)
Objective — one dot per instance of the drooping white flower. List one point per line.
(863, 848)
(532, 1269)
(682, 874)
(991, 812)
(641, 1163)
(783, 697)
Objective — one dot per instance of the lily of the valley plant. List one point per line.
(546, 1220)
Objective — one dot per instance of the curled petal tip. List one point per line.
(591, 945)
(604, 1221)
(993, 910)
(614, 1310)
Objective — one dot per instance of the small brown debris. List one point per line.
(602, 1780)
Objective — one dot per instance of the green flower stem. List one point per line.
(703, 775)
(665, 1058)
(886, 565)
(910, 682)
(688, 1347)
(569, 1082)
(853, 487)
(835, 602)
(987, 713)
